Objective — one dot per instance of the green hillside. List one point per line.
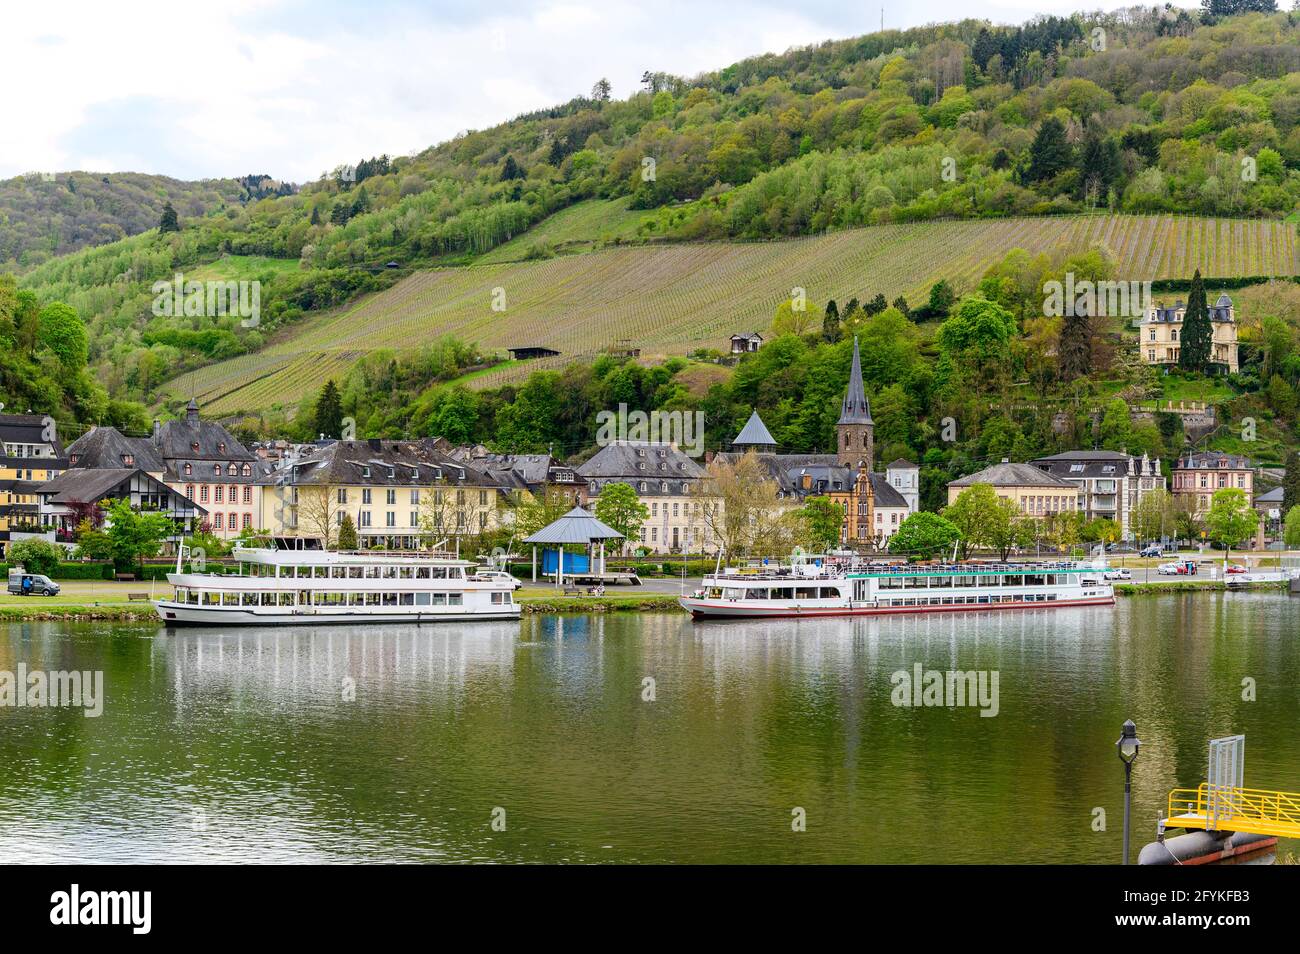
(674, 299)
(43, 215)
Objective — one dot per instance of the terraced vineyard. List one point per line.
(671, 299)
(576, 228)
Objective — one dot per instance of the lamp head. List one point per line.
(1128, 743)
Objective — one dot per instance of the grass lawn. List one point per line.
(80, 593)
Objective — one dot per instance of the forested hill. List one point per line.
(1146, 110)
(47, 214)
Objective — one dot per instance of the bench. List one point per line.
(572, 591)
(136, 597)
(124, 577)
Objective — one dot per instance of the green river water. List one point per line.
(404, 743)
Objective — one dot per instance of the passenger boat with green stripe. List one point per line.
(822, 588)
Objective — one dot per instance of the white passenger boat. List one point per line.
(289, 586)
(826, 589)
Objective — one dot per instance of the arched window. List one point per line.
(246, 470)
(216, 470)
(232, 470)
(189, 469)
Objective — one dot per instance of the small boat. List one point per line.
(817, 587)
(312, 586)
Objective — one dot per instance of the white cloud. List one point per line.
(292, 89)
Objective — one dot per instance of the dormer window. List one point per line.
(221, 446)
(415, 473)
(216, 470)
(128, 460)
(189, 469)
(365, 471)
(663, 487)
(392, 472)
(246, 470)
(72, 459)
(194, 445)
(232, 470)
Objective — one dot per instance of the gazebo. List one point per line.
(578, 526)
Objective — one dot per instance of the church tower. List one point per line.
(855, 429)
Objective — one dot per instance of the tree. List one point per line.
(1291, 482)
(136, 534)
(511, 170)
(618, 507)
(901, 304)
(1063, 529)
(1101, 530)
(600, 92)
(1074, 354)
(61, 330)
(348, 534)
(824, 519)
(329, 411)
(741, 506)
(318, 511)
(924, 534)
(790, 320)
(942, 298)
(1154, 516)
(1230, 520)
(1291, 528)
(831, 322)
(169, 222)
(972, 513)
(93, 543)
(1197, 335)
(1049, 154)
(35, 556)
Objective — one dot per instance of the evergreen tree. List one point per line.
(831, 322)
(600, 92)
(1291, 482)
(1099, 167)
(876, 305)
(347, 533)
(169, 222)
(1075, 349)
(1050, 152)
(511, 170)
(329, 411)
(315, 215)
(1197, 336)
(901, 304)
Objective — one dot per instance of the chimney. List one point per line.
(157, 430)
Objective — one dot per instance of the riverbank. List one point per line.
(1194, 586)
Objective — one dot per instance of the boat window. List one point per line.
(439, 599)
(756, 593)
(421, 599)
(405, 573)
(806, 593)
(407, 599)
(439, 572)
(830, 593)
(388, 599)
(320, 572)
(891, 582)
(455, 599)
(732, 593)
(914, 582)
(422, 573)
(372, 599)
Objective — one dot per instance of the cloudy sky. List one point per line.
(191, 88)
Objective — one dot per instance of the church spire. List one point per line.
(855, 431)
(855, 409)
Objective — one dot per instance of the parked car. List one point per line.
(1154, 550)
(22, 583)
(1236, 568)
(1118, 574)
(1170, 569)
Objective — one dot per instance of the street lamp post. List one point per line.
(1127, 746)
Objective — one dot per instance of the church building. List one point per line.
(874, 504)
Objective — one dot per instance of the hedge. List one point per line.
(104, 571)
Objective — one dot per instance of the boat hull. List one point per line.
(181, 614)
(737, 609)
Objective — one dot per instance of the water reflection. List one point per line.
(396, 742)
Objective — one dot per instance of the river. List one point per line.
(543, 740)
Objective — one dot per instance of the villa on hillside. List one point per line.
(1198, 474)
(1110, 483)
(1160, 330)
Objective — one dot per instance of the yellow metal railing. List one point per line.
(1235, 809)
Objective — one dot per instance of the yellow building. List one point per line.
(1035, 492)
(30, 454)
(1160, 334)
(401, 495)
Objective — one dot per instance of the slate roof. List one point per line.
(87, 485)
(28, 429)
(855, 409)
(1202, 460)
(641, 461)
(1007, 474)
(1274, 496)
(754, 433)
(827, 475)
(411, 464)
(576, 526)
(901, 464)
(104, 447)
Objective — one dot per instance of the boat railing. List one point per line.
(903, 569)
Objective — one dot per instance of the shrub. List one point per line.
(36, 556)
